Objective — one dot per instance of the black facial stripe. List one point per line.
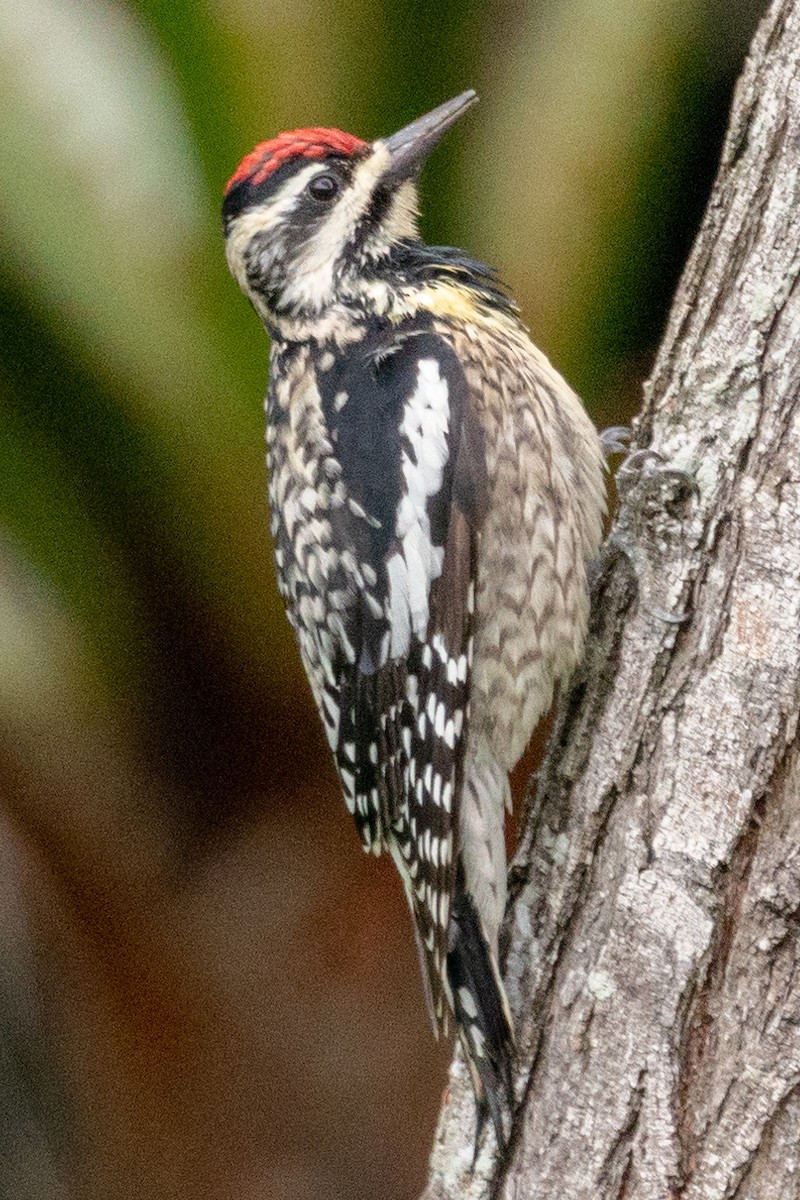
(378, 208)
(244, 195)
(370, 222)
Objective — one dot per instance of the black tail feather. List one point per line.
(481, 1012)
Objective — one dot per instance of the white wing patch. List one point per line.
(399, 607)
(412, 569)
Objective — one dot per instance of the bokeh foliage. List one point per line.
(132, 375)
(138, 609)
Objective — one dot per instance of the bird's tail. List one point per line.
(481, 1012)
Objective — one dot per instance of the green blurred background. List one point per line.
(205, 989)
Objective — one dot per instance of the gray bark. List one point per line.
(652, 959)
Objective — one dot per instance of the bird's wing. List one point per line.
(412, 461)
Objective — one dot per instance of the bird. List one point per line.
(437, 491)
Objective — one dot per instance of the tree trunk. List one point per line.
(652, 959)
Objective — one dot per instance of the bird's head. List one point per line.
(310, 216)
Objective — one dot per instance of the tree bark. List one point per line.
(652, 932)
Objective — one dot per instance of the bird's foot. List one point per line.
(615, 440)
(655, 501)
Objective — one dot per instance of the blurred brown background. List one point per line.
(206, 989)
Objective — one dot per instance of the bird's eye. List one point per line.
(324, 187)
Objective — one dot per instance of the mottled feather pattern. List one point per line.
(382, 594)
(383, 598)
(436, 760)
(543, 524)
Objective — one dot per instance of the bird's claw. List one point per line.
(652, 519)
(615, 440)
(637, 459)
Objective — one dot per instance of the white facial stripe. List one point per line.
(237, 241)
(266, 216)
(312, 282)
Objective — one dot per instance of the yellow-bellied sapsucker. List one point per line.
(436, 492)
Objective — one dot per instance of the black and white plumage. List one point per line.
(436, 490)
(376, 555)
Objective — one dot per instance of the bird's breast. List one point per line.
(543, 522)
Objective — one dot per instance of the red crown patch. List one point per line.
(315, 142)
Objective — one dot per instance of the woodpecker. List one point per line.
(436, 492)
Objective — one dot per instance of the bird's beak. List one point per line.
(409, 148)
